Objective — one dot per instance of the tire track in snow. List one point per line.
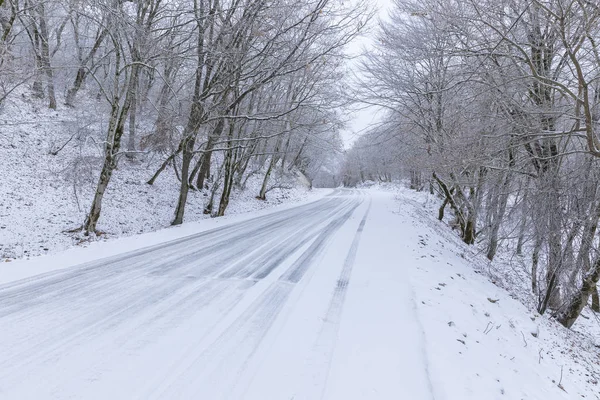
(254, 259)
(218, 296)
(99, 284)
(108, 308)
(53, 281)
(270, 260)
(95, 287)
(223, 361)
(323, 349)
(297, 271)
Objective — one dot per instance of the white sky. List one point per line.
(363, 118)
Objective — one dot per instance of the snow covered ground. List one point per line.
(44, 194)
(109, 246)
(482, 341)
(358, 295)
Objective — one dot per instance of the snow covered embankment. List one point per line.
(49, 169)
(481, 343)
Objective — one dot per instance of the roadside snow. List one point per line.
(111, 246)
(482, 343)
(44, 195)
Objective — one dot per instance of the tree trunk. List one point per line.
(94, 214)
(38, 86)
(112, 146)
(595, 300)
(227, 184)
(243, 166)
(45, 56)
(208, 209)
(274, 159)
(466, 227)
(204, 171)
(521, 238)
(554, 268)
(188, 154)
(263, 190)
(498, 217)
(469, 233)
(229, 166)
(535, 259)
(416, 181)
(580, 299)
(72, 93)
(131, 139)
(442, 210)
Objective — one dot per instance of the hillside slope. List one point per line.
(49, 169)
(482, 341)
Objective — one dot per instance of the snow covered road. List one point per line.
(303, 303)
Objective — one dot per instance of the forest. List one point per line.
(219, 91)
(494, 107)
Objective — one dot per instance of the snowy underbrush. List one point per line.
(485, 338)
(49, 169)
(383, 186)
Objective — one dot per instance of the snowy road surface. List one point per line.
(304, 303)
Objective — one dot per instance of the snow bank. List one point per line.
(111, 246)
(482, 341)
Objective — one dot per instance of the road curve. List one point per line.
(250, 310)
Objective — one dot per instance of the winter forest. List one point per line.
(491, 106)
(211, 93)
(494, 106)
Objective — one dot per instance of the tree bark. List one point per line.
(442, 210)
(498, 217)
(112, 147)
(204, 170)
(274, 159)
(131, 139)
(581, 298)
(466, 231)
(227, 184)
(535, 259)
(263, 189)
(188, 154)
(45, 55)
(595, 300)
